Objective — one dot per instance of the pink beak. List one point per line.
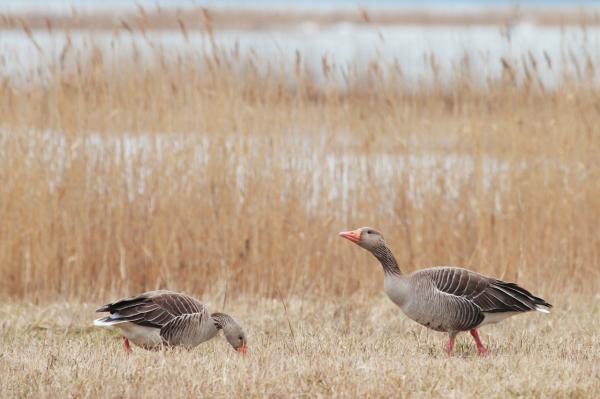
(353, 235)
(243, 349)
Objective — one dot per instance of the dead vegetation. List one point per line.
(204, 170)
(210, 174)
(340, 347)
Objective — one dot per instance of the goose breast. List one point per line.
(422, 302)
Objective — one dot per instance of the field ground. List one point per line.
(320, 347)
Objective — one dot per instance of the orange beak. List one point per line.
(243, 349)
(353, 235)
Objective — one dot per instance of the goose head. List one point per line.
(234, 333)
(236, 337)
(366, 237)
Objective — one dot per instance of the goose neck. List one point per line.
(221, 320)
(387, 260)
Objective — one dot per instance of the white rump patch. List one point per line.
(146, 337)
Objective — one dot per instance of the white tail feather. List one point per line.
(542, 309)
(104, 323)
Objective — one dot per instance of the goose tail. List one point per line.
(543, 308)
(106, 322)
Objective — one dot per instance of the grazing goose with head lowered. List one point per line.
(164, 318)
(447, 299)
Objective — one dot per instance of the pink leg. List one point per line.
(450, 345)
(480, 348)
(126, 345)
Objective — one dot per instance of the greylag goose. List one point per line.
(447, 299)
(164, 318)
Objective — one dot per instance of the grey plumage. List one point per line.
(152, 308)
(165, 318)
(465, 297)
(448, 299)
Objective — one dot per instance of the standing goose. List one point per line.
(447, 299)
(165, 318)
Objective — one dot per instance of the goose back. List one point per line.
(489, 294)
(156, 317)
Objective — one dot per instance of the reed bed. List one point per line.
(208, 173)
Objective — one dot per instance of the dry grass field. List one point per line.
(207, 174)
(338, 347)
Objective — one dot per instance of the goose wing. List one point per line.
(153, 308)
(187, 329)
(488, 294)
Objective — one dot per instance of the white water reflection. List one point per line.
(183, 161)
(348, 47)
